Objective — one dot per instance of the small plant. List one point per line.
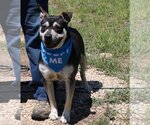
(110, 113)
(115, 97)
(101, 121)
(118, 96)
(108, 116)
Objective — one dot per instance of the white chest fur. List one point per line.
(49, 74)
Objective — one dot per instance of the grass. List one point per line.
(111, 66)
(101, 121)
(104, 25)
(139, 28)
(116, 96)
(110, 113)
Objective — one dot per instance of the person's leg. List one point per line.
(13, 37)
(30, 21)
(30, 24)
(10, 22)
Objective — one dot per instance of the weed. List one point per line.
(117, 96)
(110, 113)
(101, 121)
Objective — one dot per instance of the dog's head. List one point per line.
(53, 29)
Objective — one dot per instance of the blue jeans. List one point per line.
(30, 21)
(10, 22)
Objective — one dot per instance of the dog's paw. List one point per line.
(65, 118)
(53, 115)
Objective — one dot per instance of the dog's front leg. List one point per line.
(70, 86)
(51, 95)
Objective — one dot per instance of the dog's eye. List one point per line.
(58, 29)
(57, 26)
(43, 28)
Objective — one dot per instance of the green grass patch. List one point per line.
(104, 25)
(108, 116)
(101, 121)
(110, 113)
(117, 96)
(111, 66)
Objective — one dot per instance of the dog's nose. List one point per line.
(48, 36)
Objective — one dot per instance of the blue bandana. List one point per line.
(56, 59)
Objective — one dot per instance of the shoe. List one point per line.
(41, 111)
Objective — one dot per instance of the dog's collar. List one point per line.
(56, 59)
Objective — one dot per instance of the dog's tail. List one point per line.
(83, 67)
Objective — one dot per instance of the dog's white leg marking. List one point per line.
(51, 95)
(50, 91)
(70, 86)
(82, 72)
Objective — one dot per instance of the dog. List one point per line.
(62, 51)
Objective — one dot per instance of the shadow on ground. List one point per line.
(7, 92)
(82, 101)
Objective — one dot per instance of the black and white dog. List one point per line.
(62, 51)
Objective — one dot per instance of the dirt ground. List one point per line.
(84, 112)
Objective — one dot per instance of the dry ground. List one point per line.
(84, 112)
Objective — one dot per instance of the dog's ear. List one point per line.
(43, 13)
(66, 16)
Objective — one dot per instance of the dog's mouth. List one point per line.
(54, 44)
